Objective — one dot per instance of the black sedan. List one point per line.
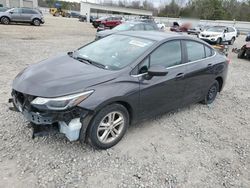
(94, 93)
(127, 26)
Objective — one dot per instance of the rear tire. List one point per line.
(218, 41)
(36, 22)
(232, 41)
(104, 132)
(5, 20)
(212, 93)
(241, 54)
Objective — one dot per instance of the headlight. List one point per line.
(61, 103)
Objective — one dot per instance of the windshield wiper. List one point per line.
(91, 62)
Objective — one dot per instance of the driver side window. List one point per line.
(167, 55)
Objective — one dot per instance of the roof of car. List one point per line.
(152, 35)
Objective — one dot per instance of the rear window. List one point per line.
(28, 11)
(195, 51)
(149, 27)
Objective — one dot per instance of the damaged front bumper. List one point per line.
(69, 122)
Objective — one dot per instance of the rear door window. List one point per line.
(195, 51)
(28, 11)
(149, 27)
(208, 51)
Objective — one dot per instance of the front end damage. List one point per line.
(70, 122)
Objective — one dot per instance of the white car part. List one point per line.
(72, 130)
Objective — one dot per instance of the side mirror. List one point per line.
(11, 12)
(157, 70)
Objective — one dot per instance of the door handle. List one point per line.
(179, 76)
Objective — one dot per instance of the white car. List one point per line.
(219, 34)
(161, 25)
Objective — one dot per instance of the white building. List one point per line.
(19, 3)
(86, 9)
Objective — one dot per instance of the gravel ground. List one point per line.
(197, 146)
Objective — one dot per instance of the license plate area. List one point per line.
(37, 118)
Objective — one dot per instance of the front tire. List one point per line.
(212, 93)
(36, 22)
(5, 20)
(108, 126)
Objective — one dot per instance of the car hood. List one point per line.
(60, 76)
(211, 33)
(106, 33)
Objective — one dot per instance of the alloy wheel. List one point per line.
(212, 93)
(5, 20)
(36, 22)
(110, 127)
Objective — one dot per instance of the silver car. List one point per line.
(22, 15)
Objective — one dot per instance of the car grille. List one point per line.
(23, 99)
(205, 35)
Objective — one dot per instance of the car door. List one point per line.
(232, 33)
(162, 93)
(109, 22)
(26, 15)
(198, 70)
(15, 14)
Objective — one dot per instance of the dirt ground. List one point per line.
(197, 146)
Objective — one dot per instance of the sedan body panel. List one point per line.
(151, 83)
(53, 77)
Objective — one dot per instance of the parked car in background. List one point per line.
(74, 14)
(22, 15)
(160, 25)
(127, 26)
(109, 22)
(180, 28)
(244, 52)
(3, 9)
(94, 93)
(83, 18)
(196, 30)
(219, 34)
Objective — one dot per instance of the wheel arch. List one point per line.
(85, 130)
(220, 81)
(35, 18)
(4, 16)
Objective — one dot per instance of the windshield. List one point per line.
(116, 51)
(216, 29)
(124, 27)
(102, 18)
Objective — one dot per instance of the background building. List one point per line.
(88, 8)
(19, 3)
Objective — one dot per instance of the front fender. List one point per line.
(126, 92)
